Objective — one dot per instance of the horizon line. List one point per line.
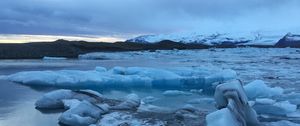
(31, 38)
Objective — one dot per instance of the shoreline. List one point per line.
(71, 49)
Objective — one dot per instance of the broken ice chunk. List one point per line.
(149, 99)
(172, 93)
(202, 101)
(282, 123)
(281, 108)
(82, 114)
(292, 97)
(265, 101)
(54, 99)
(221, 117)
(258, 89)
(131, 102)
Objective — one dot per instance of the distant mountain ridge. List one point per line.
(217, 39)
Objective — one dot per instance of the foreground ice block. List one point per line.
(121, 77)
(221, 117)
(234, 109)
(82, 114)
(84, 107)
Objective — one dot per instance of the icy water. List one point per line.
(277, 67)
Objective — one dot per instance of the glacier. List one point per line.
(243, 38)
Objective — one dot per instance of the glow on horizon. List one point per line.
(15, 38)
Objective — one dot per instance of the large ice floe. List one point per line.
(121, 77)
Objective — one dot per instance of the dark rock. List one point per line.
(289, 40)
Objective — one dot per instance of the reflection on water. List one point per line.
(25, 114)
(17, 107)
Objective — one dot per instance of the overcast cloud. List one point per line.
(132, 17)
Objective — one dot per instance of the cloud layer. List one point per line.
(132, 17)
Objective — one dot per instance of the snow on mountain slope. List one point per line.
(292, 37)
(213, 39)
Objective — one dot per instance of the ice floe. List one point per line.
(295, 114)
(201, 101)
(172, 93)
(54, 58)
(293, 97)
(132, 101)
(281, 108)
(282, 123)
(121, 77)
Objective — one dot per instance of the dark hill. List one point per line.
(71, 49)
(289, 40)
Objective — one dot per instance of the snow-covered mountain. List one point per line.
(213, 39)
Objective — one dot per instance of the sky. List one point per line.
(117, 20)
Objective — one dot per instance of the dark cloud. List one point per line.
(125, 17)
